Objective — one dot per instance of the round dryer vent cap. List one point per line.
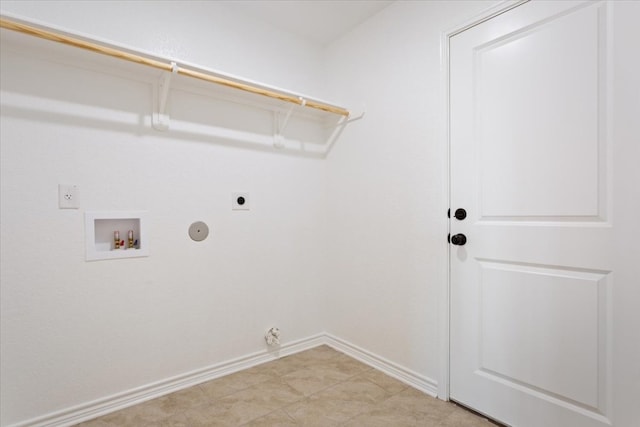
(198, 231)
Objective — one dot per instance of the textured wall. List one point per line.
(386, 184)
(75, 331)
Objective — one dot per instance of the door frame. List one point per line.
(444, 304)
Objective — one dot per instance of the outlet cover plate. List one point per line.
(68, 196)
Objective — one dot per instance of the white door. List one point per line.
(530, 140)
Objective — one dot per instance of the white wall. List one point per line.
(75, 331)
(387, 201)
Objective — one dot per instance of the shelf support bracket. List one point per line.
(278, 139)
(160, 120)
(339, 127)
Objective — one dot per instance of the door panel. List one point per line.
(530, 154)
(539, 328)
(539, 86)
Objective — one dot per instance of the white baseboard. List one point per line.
(407, 376)
(119, 401)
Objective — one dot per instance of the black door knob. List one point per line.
(459, 239)
(460, 214)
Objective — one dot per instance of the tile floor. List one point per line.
(318, 387)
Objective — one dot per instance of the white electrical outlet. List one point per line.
(240, 201)
(68, 196)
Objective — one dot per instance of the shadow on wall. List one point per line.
(142, 127)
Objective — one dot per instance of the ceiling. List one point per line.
(320, 21)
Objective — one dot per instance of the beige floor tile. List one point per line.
(424, 407)
(235, 382)
(425, 421)
(178, 420)
(142, 414)
(316, 354)
(340, 402)
(278, 418)
(312, 380)
(383, 418)
(281, 367)
(269, 369)
(245, 405)
(311, 414)
(215, 389)
(229, 384)
(389, 384)
(332, 409)
(347, 366)
(304, 360)
(355, 390)
(274, 394)
(187, 398)
(460, 417)
(212, 415)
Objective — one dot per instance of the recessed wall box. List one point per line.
(102, 227)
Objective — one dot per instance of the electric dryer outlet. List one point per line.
(240, 201)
